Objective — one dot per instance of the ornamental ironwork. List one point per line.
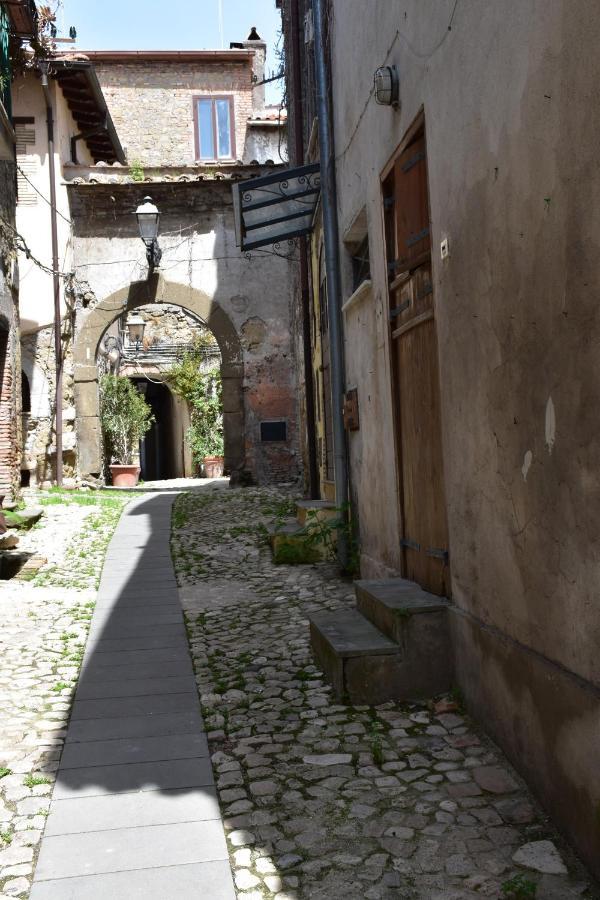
(276, 208)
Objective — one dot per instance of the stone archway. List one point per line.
(155, 290)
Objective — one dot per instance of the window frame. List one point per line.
(213, 98)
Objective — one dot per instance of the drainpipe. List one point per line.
(332, 265)
(55, 280)
(313, 472)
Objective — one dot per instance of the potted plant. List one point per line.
(125, 418)
(206, 431)
(202, 389)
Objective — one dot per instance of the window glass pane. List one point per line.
(224, 127)
(205, 126)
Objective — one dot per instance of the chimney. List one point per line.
(256, 43)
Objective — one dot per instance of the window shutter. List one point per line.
(27, 162)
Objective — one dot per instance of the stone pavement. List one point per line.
(324, 800)
(134, 811)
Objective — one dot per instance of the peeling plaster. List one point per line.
(527, 460)
(550, 425)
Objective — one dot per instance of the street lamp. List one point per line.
(148, 218)
(135, 330)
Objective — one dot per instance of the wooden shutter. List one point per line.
(27, 162)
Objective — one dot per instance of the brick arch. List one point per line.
(155, 290)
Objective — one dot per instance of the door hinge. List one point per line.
(438, 553)
(428, 289)
(410, 545)
(410, 163)
(399, 309)
(415, 238)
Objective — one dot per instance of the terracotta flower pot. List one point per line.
(125, 476)
(213, 466)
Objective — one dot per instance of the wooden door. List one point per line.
(415, 372)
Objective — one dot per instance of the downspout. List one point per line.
(55, 279)
(313, 472)
(332, 266)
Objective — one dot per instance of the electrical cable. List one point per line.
(415, 53)
(45, 199)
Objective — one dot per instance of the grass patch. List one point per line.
(519, 888)
(32, 781)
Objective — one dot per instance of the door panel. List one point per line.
(415, 372)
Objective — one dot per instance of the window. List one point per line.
(214, 128)
(361, 264)
(273, 431)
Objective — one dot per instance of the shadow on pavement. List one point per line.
(134, 808)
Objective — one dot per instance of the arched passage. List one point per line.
(155, 290)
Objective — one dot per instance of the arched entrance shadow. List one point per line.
(155, 290)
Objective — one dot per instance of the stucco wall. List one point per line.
(512, 127)
(33, 220)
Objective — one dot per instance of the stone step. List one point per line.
(419, 623)
(389, 603)
(315, 511)
(24, 518)
(293, 544)
(356, 657)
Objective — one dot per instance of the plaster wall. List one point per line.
(512, 128)
(33, 219)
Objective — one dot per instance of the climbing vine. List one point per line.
(201, 388)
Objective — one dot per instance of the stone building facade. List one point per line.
(152, 97)
(10, 382)
(156, 144)
(16, 23)
(245, 303)
(493, 282)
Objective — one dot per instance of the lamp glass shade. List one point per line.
(148, 218)
(135, 329)
(386, 86)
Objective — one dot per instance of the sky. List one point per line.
(171, 25)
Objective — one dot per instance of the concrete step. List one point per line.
(419, 623)
(308, 511)
(358, 660)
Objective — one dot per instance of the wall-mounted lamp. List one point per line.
(387, 86)
(135, 331)
(148, 218)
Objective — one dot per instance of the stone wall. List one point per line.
(39, 432)
(246, 303)
(152, 105)
(10, 382)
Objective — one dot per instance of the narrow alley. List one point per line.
(299, 456)
(317, 799)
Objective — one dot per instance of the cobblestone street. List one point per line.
(322, 800)
(318, 799)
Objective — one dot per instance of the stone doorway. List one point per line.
(97, 322)
(159, 456)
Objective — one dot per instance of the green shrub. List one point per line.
(203, 392)
(125, 418)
